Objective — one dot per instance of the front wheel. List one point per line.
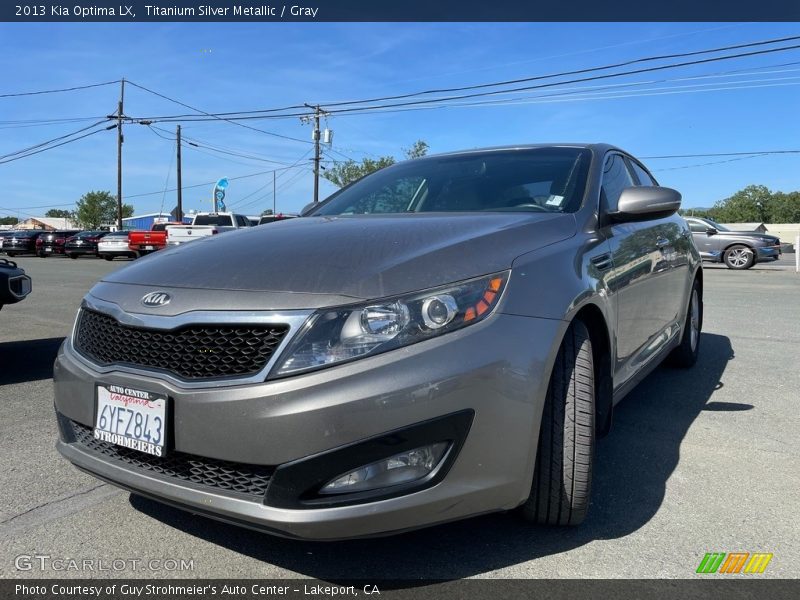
(563, 475)
(108, 257)
(72, 256)
(739, 257)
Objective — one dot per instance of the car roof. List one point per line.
(596, 148)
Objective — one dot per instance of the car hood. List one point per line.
(745, 233)
(317, 261)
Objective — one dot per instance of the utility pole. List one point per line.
(316, 137)
(120, 114)
(180, 192)
(274, 198)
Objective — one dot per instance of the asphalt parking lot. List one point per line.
(698, 461)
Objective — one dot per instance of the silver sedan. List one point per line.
(443, 338)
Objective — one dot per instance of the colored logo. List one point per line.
(156, 299)
(734, 562)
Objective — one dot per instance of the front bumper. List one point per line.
(495, 371)
(768, 252)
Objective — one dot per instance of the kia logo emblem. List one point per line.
(156, 299)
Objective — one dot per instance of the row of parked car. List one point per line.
(71, 243)
(130, 244)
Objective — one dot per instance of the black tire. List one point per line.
(107, 257)
(562, 478)
(72, 256)
(739, 257)
(685, 355)
(10, 254)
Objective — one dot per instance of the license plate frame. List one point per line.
(116, 422)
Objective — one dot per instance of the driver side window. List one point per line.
(698, 226)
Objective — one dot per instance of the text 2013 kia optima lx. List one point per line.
(443, 338)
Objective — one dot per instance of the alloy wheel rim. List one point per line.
(739, 257)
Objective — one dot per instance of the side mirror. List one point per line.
(642, 203)
(308, 208)
(711, 231)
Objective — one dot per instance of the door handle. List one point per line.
(662, 242)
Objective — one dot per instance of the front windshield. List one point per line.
(535, 180)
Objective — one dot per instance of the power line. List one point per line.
(188, 187)
(286, 137)
(566, 73)
(580, 80)
(545, 99)
(711, 154)
(56, 139)
(44, 122)
(283, 172)
(267, 113)
(75, 139)
(716, 162)
(55, 91)
(195, 145)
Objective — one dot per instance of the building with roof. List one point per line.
(140, 222)
(47, 223)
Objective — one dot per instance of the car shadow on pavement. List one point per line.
(28, 360)
(633, 464)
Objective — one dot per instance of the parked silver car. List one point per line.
(737, 249)
(443, 338)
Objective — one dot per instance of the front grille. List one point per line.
(219, 475)
(191, 352)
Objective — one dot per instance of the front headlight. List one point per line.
(336, 335)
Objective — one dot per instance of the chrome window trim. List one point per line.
(293, 318)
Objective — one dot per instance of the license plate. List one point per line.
(48, 249)
(131, 418)
(148, 247)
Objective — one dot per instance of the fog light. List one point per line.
(400, 468)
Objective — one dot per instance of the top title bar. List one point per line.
(128, 11)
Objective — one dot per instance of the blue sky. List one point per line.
(225, 67)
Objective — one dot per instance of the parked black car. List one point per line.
(22, 241)
(737, 249)
(14, 284)
(52, 242)
(83, 243)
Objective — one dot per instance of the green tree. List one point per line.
(99, 208)
(748, 205)
(418, 150)
(59, 213)
(349, 171)
(9, 220)
(784, 208)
